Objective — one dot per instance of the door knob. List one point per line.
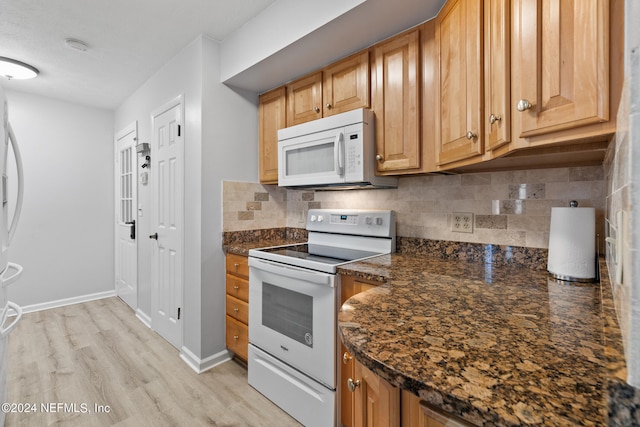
(154, 236)
(524, 105)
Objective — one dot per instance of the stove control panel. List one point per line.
(378, 223)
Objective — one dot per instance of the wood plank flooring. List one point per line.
(97, 355)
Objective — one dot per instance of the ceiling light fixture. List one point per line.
(13, 69)
(76, 44)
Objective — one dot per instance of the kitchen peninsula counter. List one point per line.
(495, 345)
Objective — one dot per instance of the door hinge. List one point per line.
(178, 313)
(179, 130)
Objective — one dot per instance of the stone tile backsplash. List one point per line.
(510, 208)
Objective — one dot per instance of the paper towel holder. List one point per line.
(572, 268)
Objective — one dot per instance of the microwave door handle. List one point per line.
(339, 153)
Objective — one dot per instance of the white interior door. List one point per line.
(126, 246)
(167, 166)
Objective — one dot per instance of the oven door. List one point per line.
(313, 159)
(292, 317)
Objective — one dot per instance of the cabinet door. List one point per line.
(304, 99)
(377, 403)
(349, 286)
(497, 73)
(237, 337)
(459, 132)
(345, 85)
(271, 117)
(396, 102)
(560, 63)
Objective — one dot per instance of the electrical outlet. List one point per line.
(462, 222)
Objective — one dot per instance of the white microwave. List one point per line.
(335, 152)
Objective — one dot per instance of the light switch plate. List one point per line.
(462, 222)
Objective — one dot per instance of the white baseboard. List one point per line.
(144, 318)
(67, 301)
(201, 365)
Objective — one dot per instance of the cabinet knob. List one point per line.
(493, 118)
(379, 157)
(235, 337)
(236, 287)
(235, 309)
(470, 135)
(346, 357)
(329, 106)
(236, 265)
(353, 384)
(524, 105)
(316, 109)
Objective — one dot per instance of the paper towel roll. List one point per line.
(572, 243)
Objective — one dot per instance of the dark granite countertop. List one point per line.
(497, 346)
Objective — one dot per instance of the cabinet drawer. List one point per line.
(238, 288)
(238, 265)
(237, 309)
(237, 337)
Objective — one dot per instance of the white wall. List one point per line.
(65, 236)
(180, 76)
(229, 152)
(221, 134)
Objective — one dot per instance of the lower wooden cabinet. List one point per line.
(377, 403)
(349, 286)
(237, 337)
(368, 400)
(237, 305)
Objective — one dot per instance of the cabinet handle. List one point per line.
(379, 157)
(316, 109)
(470, 135)
(493, 118)
(352, 385)
(346, 357)
(329, 106)
(524, 105)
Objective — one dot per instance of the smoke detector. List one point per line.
(76, 44)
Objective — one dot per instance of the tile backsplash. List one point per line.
(509, 208)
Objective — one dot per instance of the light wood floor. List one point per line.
(98, 353)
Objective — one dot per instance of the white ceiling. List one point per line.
(129, 40)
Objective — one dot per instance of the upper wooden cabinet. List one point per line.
(304, 99)
(271, 117)
(561, 64)
(345, 85)
(497, 74)
(395, 88)
(459, 130)
(337, 88)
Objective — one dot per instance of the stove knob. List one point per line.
(313, 218)
(378, 221)
(320, 218)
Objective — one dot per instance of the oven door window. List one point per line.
(288, 312)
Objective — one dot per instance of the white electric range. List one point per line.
(293, 304)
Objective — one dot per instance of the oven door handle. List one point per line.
(315, 277)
